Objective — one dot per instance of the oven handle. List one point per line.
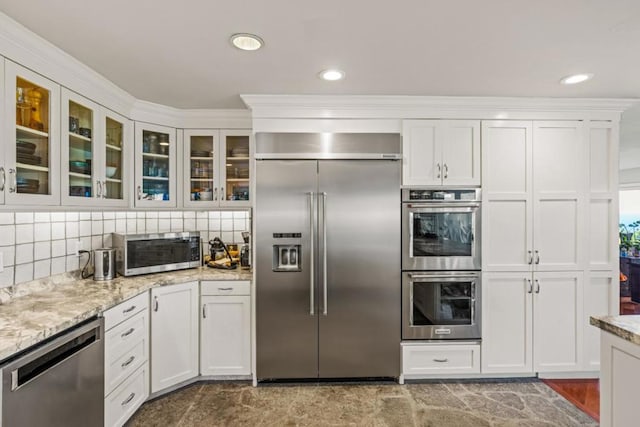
(438, 206)
(443, 276)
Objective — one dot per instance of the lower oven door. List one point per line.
(441, 236)
(441, 305)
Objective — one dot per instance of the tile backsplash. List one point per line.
(40, 244)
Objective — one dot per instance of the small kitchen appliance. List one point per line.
(245, 251)
(104, 264)
(218, 251)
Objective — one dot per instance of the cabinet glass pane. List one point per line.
(32, 138)
(81, 150)
(114, 166)
(201, 152)
(237, 155)
(155, 165)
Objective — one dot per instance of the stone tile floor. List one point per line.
(527, 402)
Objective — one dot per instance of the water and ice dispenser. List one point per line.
(287, 256)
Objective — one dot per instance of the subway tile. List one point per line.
(177, 224)
(164, 214)
(227, 236)
(214, 225)
(202, 215)
(24, 233)
(72, 216)
(42, 217)
(239, 214)
(121, 215)
(107, 240)
(189, 214)
(42, 250)
(214, 215)
(141, 215)
(131, 215)
(42, 269)
(151, 225)
(96, 227)
(7, 235)
(73, 229)
(109, 226)
(85, 243)
(237, 237)
(57, 230)
(121, 225)
(164, 225)
(24, 273)
(71, 246)
(58, 265)
(190, 224)
(226, 225)
(202, 224)
(176, 214)
(72, 263)
(6, 277)
(141, 225)
(96, 242)
(24, 217)
(42, 231)
(8, 255)
(226, 215)
(131, 225)
(7, 218)
(85, 228)
(96, 216)
(58, 248)
(85, 216)
(109, 215)
(57, 216)
(239, 224)
(152, 215)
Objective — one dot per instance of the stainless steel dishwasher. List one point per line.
(59, 383)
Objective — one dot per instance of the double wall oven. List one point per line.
(441, 263)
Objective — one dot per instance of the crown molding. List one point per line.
(416, 107)
(144, 111)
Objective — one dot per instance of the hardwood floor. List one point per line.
(584, 393)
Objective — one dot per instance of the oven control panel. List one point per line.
(445, 195)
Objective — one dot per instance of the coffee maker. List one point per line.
(245, 251)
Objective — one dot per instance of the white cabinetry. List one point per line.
(421, 360)
(532, 324)
(32, 138)
(174, 334)
(155, 166)
(126, 375)
(225, 332)
(441, 152)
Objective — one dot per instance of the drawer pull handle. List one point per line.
(128, 399)
(225, 289)
(129, 310)
(441, 360)
(129, 332)
(128, 362)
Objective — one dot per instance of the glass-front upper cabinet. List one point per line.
(236, 147)
(118, 136)
(32, 152)
(216, 165)
(155, 166)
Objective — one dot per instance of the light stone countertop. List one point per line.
(32, 313)
(625, 327)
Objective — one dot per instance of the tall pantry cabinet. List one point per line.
(548, 206)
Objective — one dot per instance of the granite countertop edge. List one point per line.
(625, 327)
(58, 303)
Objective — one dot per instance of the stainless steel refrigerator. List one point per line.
(328, 256)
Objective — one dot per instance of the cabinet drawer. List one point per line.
(124, 336)
(117, 369)
(125, 310)
(230, 287)
(440, 359)
(127, 398)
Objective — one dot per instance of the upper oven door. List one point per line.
(441, 236)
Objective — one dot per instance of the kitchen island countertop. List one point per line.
(63, 301)
(626, 327)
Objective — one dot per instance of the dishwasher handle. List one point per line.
(39, 361)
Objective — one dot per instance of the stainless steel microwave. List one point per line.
(156, 252)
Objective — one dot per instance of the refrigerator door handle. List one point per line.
(324, 251)
(311, 263)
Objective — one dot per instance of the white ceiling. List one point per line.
(177, 53)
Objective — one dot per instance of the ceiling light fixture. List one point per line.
(576, 78)
(246, 41)
(331, 75)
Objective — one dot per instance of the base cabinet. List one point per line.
(174, 335)
(225, 329)
(428, 359)
(532, 323)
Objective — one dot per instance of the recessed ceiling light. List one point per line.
(576, 78)
(245, 41)
(331, 75)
